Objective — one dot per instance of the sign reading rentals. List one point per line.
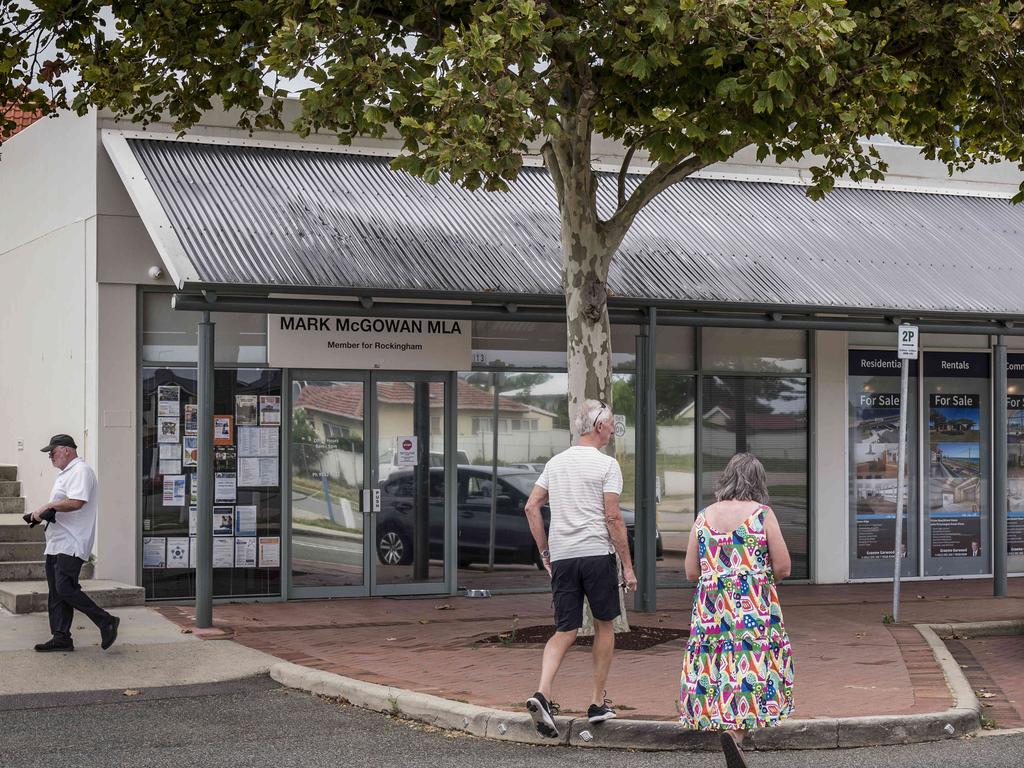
(388, 343)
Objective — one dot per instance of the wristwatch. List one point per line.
(546, 554)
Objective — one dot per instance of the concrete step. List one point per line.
(12, 506)
(10, 489)
(30, 596)
(8, 472)
(33, 570)
(13, 528)
(12, 551)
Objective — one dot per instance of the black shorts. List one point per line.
(596, 577)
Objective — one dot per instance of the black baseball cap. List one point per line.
(56, 440)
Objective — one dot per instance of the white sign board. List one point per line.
(907, 347)
(386, 343)
(405, 451)
(619, 421)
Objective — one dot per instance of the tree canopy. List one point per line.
(472, 87)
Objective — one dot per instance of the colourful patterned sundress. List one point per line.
(738, 668)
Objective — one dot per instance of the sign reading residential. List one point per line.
(389, 343)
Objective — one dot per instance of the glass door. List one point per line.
(329, 526)
(411, 525)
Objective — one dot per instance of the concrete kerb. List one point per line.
(962, 719)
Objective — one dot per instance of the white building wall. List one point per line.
(42, 349)
(829, 522)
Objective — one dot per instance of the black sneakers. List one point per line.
(731, 750)
(598, 713)
(53, 644)
(543, 713)
(109, 634)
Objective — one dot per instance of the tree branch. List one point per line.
(554, 166)
(623, 171)
(658, 180)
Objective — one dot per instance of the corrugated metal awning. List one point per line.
(301, 219)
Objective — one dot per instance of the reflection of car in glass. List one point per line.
(537, 467)
(513, 542)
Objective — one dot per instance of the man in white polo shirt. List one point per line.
(70, 515)
(586, 529)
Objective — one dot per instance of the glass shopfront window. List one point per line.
(874, 413)
(676, 395)
(754, 350)
(170, 336)
(768, 418)
(247, 493)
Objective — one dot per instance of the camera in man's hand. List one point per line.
(49, 515)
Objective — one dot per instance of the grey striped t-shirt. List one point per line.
(576, 481)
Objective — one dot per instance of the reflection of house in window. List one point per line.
(334, 431)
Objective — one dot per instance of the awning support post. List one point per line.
(645, 526)
(204, 474)
(999, 495)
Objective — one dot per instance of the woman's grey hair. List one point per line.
(590, 413)
(743, 479)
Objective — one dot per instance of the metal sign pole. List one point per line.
(901, 466)
(906, 350)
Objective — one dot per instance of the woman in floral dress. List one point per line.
(738, 669)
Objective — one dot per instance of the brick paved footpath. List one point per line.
(847, 661)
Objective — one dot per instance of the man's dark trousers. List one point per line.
(66, 595)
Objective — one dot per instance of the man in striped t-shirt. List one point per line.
(582, 486)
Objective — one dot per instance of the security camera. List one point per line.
(156, 272)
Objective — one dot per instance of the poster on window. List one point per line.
(168, 400)
(1015, 474)
(876, 455)
(956, 491)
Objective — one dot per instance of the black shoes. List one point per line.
(731, 750)
(598, 713)
(543, 713)
(53, 644)
(109, 634)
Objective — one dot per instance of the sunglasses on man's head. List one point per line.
(600, 411)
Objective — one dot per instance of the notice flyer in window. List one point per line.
(270, 410)
(193, 514)
(224, 487)
(190, 451)
(270, 552)
(177, 552)
(224, 458)
(245, 520)
(222, 430)
(259, 441)
(245, 552)
(154, 551)
(167, 430)
(192, 419)
(224, 552)
(223, 521)
(257, 473)
(246, 409)
(170, 467)
(192, 550)
(174, 491)
(193, 488)
(168, 399)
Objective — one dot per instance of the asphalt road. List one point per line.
(256, 723)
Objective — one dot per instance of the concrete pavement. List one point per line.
(859, 681)
(150, 652)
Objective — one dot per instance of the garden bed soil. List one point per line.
(637, 639)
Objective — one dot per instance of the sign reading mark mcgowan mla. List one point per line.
(387, 343)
